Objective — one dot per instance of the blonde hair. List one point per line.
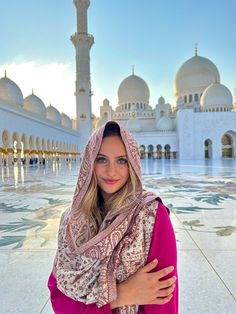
(92, 203)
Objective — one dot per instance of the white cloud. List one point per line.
(53, 82)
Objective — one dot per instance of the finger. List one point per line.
(167, 282)
(150, 266)
(166, 292)
(162, 300)
(164, 272)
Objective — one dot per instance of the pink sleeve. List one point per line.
(163, 247)
(62, 304)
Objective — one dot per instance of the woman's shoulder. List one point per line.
(152, 207)
(149, 213)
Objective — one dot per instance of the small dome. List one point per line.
(195, 75)
(161, 101)
(133, 124)
(106, 102)
(53, 114)
(34, 104)
(133, 89)
(66, 121)
(164, 124)
(217, 95)
(10, 93)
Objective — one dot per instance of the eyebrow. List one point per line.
(116, 156)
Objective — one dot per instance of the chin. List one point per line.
(110, 190)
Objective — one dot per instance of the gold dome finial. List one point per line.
(5, 74)
(32, 91)
(132, 69)
(196, 50)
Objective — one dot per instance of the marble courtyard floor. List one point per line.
(202, 199)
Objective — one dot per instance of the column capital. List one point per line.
(82, 3)
(86, 39)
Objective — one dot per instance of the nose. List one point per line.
(111, 169)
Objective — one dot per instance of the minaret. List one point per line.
(83, 42)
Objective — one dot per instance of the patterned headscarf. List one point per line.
(89, 264)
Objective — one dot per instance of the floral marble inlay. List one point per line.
(201, 198)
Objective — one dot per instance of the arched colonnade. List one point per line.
(29, 149)
(228, 146)
(157, 152)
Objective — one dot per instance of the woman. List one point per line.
(116, 245)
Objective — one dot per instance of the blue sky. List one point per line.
(155, 36)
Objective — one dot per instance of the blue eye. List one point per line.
(122, 161)
(101, 160)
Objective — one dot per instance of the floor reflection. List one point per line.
(33, 198)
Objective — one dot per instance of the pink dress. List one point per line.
(163, 247)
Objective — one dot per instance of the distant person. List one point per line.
(116, 244)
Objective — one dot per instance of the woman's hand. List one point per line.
(144, 287)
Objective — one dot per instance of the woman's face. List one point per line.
(111, 166)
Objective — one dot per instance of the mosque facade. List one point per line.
(200, 125)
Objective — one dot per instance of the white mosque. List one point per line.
(202, 123)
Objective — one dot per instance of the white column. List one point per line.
(26, 159)
(10, 159)
(83, 43)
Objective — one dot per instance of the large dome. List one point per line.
(195, 75)
(133, 89)
(10, 93)
(218, 96)
(53, 114)
(34, 104)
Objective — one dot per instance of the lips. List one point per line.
(107, 181)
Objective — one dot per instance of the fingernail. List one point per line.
(172, 268)
(155, 260)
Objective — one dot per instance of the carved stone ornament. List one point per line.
(83, 116)
(81, 90)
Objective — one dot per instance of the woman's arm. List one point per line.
(145, 287)
(155, 284)
(62, 304)
(142, 287)
(163, 247)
